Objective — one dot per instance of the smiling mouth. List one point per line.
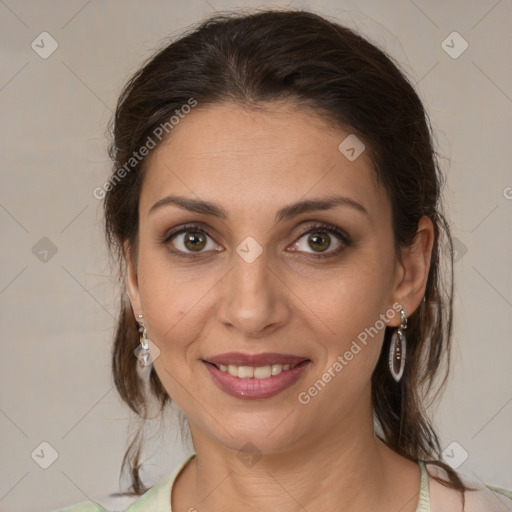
(272, 374)
(255, 372)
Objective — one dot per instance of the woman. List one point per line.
(275, 208)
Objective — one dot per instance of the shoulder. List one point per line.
(122, 503)
(483, 499)
(157, 497)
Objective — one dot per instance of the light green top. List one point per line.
(158, 497)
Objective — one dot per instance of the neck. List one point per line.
(328, 473)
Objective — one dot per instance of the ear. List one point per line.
(412, 272)
(132, 283)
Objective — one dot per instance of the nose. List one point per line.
(254, 300)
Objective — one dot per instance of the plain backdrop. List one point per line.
(58, 299)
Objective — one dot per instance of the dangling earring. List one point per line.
(397, 349)
(142, 352)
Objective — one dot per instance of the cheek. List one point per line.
(353, 310)
(174, 310)
(173, 303)
(351, 299)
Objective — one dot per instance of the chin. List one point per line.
(264, 431)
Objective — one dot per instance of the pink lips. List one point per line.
(253, 388)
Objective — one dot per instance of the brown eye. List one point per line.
(319, 241)
(194, 240)
(189, 240)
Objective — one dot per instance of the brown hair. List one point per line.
(253, 59)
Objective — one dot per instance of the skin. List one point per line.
(252, 163)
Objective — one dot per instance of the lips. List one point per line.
(262, 383)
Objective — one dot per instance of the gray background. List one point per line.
(58, 309)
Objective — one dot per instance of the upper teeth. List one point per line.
(258, 372)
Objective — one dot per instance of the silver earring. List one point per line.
(397, 349)
(142, 352)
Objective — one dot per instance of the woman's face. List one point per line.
(265, 277)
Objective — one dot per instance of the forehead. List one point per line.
(247, 159)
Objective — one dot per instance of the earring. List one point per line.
(142, 352)
(397, 349)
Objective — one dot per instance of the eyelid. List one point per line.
(189, 226)
(329, 228)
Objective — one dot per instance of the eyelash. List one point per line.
(345, 239)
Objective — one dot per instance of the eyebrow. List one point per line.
(288, 211)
